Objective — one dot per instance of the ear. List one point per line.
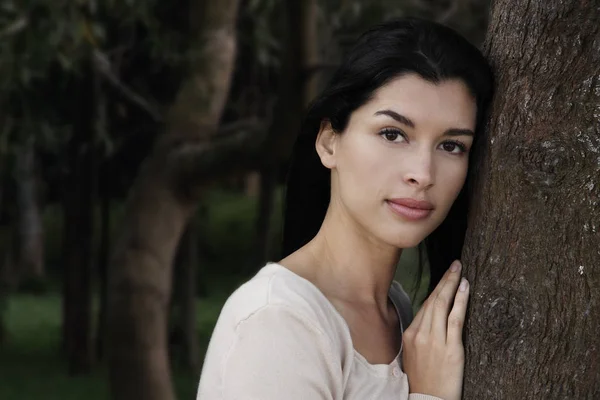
(325, 144)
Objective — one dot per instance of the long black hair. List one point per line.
(385, 52)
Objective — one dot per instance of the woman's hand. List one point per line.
(433, 352)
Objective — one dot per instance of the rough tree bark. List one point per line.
(532, 249)
(162, 200)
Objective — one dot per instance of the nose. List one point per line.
(420, 171)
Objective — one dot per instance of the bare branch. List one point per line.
(191, 163)
(15, 27)
(104, 68)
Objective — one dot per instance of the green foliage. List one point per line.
(227, 239)
(49, 46)
(38, 34)
(25, 57)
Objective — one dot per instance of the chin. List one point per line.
(406, 244)
(404, 241)
(406, 238)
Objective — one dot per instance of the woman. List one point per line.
(380, 165)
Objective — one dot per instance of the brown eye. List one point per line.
(392, 135)
(449, 147)
(454, 147)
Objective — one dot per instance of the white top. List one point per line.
(278, 337)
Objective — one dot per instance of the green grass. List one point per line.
(31, 367)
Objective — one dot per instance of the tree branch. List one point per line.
(14, 28)
(191, 163)
(103, 66)
(252, 125)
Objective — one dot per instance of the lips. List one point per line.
(412, 203)
(411, 209)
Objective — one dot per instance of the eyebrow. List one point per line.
(394, 115)
(406, 121)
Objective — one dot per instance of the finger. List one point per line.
(429, 306)
(418, 318)
(442, 282)
(443, 302)
(416, 322)
(456, 319)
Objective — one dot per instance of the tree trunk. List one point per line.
(30, 236)
(5, 254)
(532, 250)
(298, 85)
(160, 205)
(78, 206)
(192, 357)
(5, 287)
(310, 50)
(184, 336)
(104, 179)
(3, 308)
(6, 246)
(252, 184)
(103, 252)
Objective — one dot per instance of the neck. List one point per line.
(354, 265)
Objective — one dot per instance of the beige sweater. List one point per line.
(279, 338)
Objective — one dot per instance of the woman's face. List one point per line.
(403, 158)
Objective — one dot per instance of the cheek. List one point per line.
(451, 179)
(360, 171)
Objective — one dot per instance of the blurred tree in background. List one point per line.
(143, 146)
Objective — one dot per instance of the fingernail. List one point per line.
(463, 285)
(455, 266)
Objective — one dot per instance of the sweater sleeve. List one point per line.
(278, 354)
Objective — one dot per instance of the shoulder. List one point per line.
(275, 289)
(274, 335)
